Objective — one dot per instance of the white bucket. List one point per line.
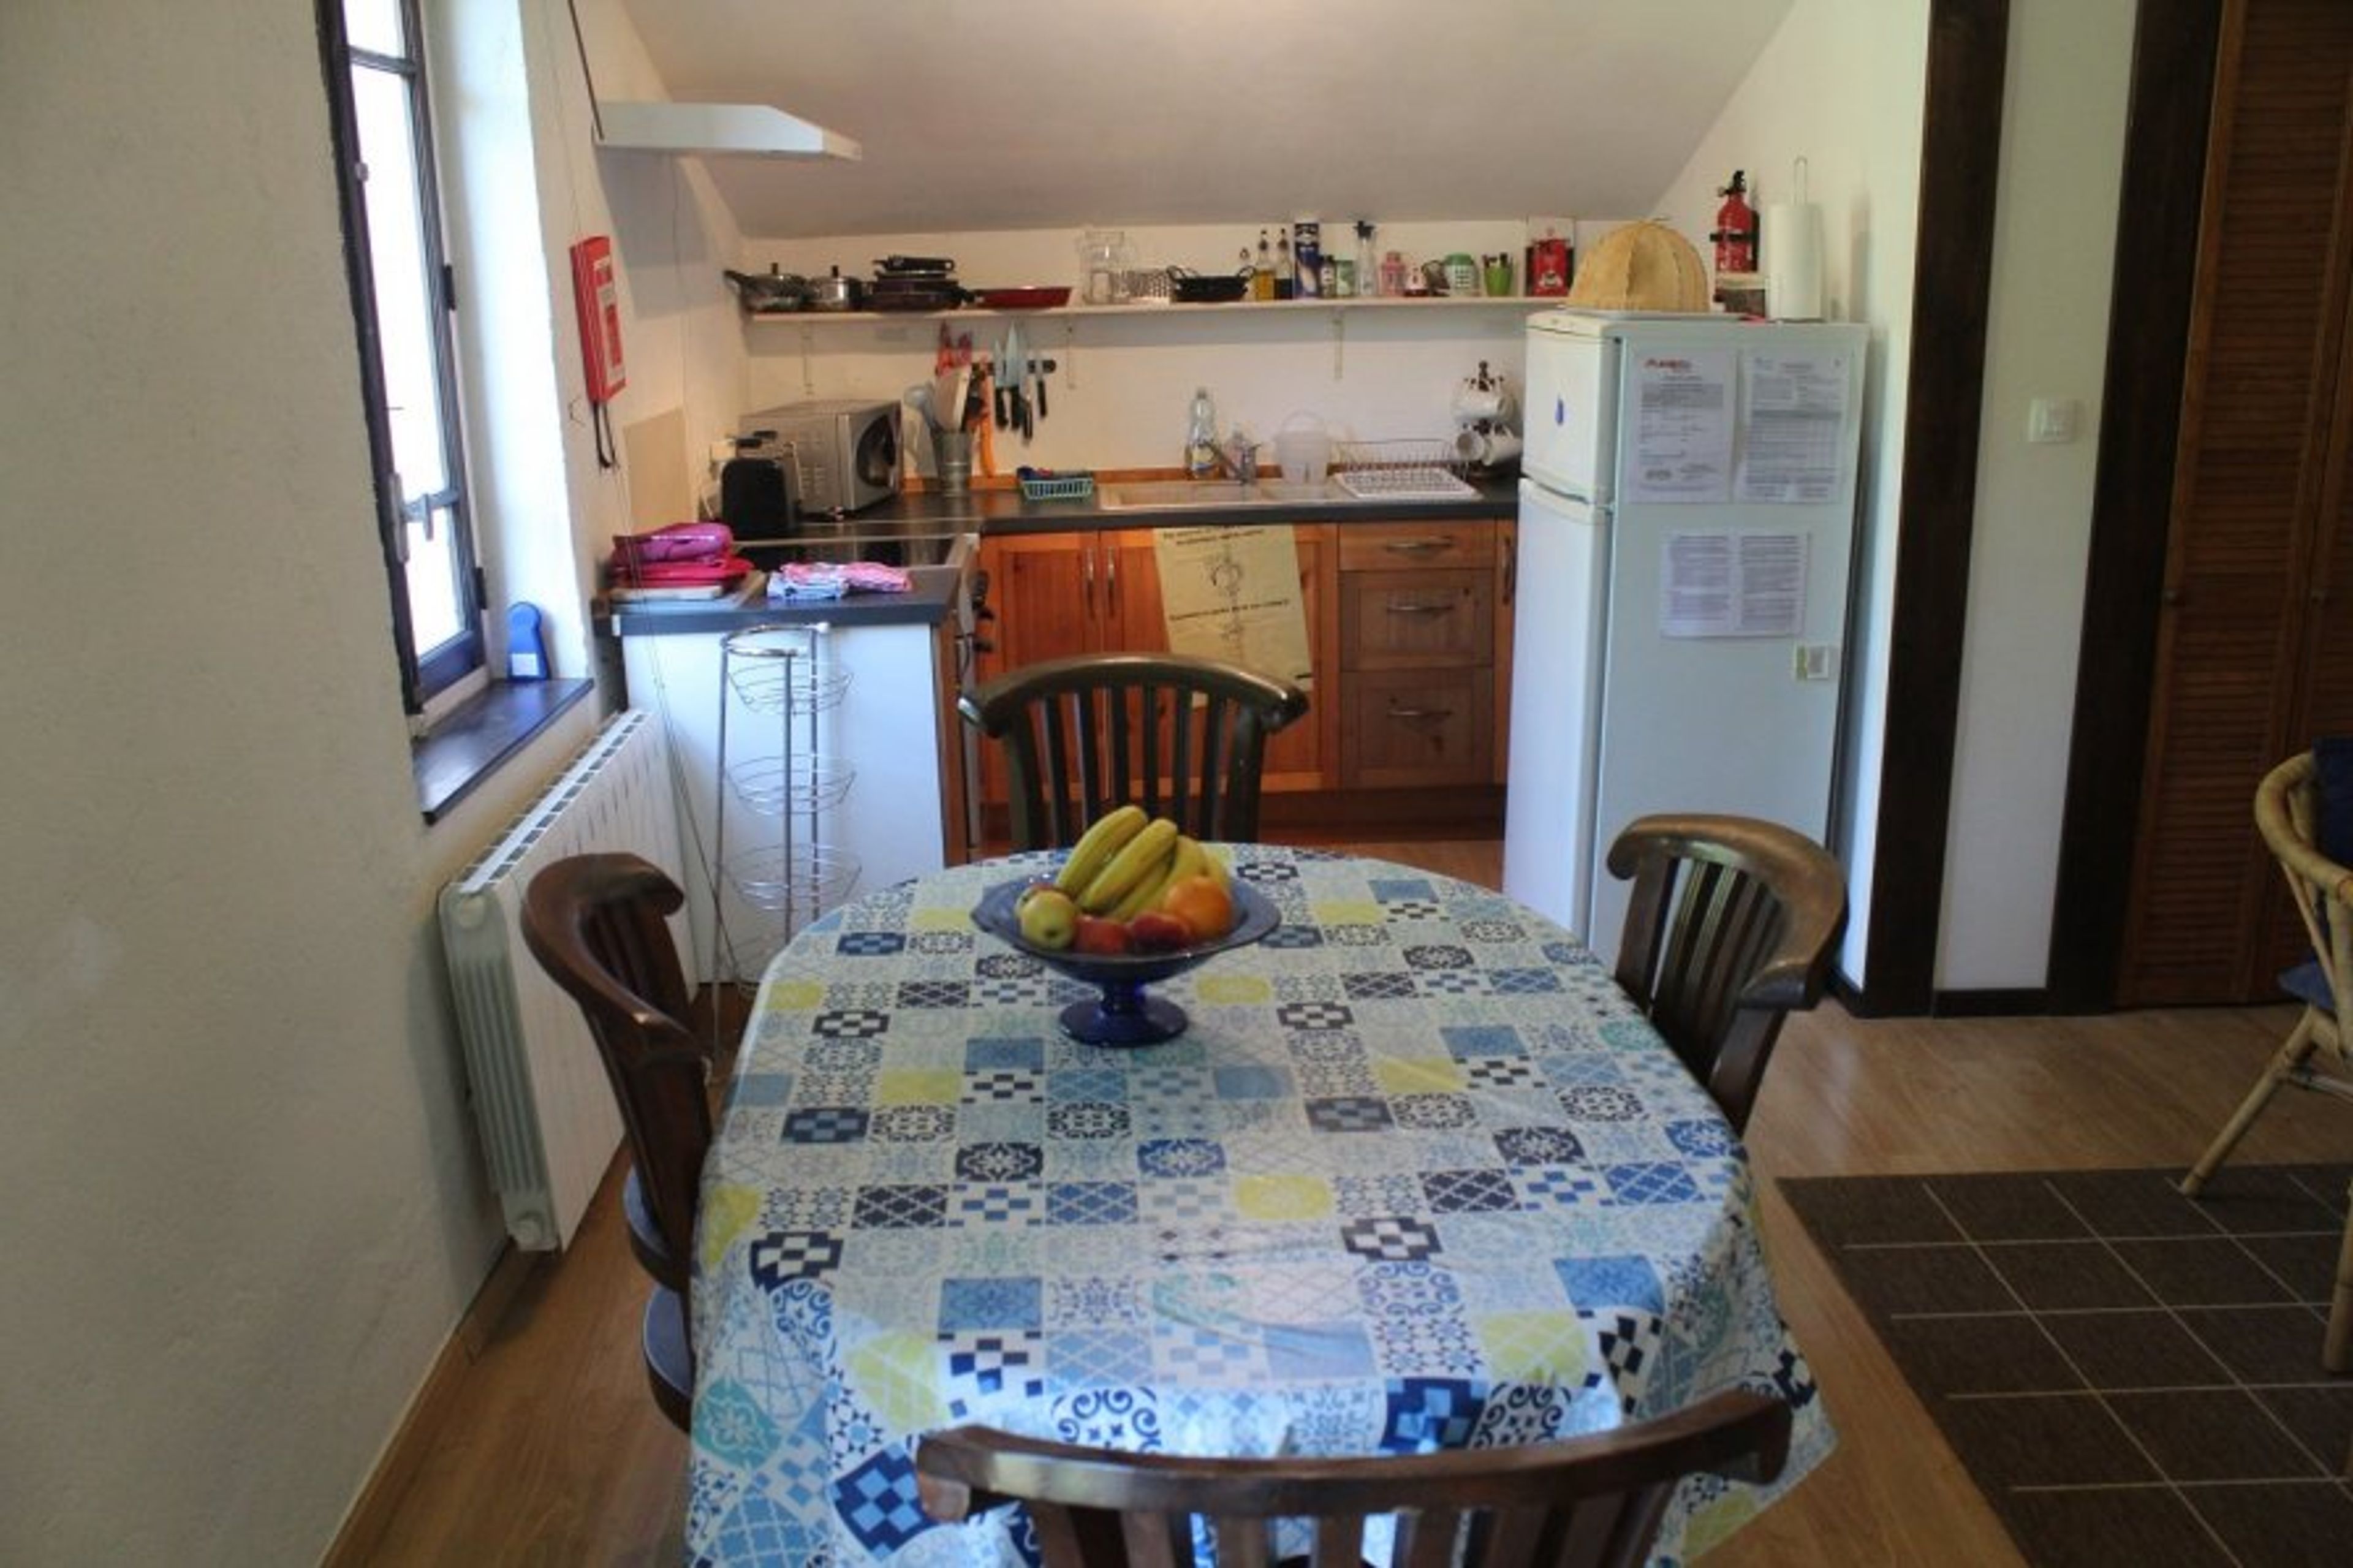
(1305, 453)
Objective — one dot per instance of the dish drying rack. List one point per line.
(1400, 471)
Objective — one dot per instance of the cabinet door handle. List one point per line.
(1420, 607)
(1419, 546)
(1111, 575)
(1441, 713)
(1087, 564)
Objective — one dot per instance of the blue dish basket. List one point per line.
(1040, 485)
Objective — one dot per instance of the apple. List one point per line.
(1049, 918)
(1153, 931)
(1098, 936)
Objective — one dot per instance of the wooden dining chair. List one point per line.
(1729, 930)
(2314, 1056)
(1082, 736)
(1595, 1500)
(599, 925)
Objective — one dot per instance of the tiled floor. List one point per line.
(2129, 1376)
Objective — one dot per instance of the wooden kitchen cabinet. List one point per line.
(1415, 728)
(1408, 631)
(1420, 604)
(1098, 590)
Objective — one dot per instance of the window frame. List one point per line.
(427, 673)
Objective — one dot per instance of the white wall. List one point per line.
(1840, 85)
(246, 1210)
(2055, 234)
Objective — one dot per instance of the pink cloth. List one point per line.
(831, 580)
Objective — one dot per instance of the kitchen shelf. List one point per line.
(1222, 306)
(1336, 312)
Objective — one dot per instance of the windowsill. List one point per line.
(470, 742)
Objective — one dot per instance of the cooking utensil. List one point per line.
(1190, 288)
(1031, 297)
(778, 291)
(917, 266)
(835, 292)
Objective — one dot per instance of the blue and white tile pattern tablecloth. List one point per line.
(1418, 1177)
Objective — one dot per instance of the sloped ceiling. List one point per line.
(1056, 113)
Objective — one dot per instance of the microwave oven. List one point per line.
(841, 453)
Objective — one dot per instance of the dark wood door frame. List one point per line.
(1960, 165)
(2174, 52)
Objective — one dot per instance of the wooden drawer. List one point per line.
(1413, 727)
(1393, 620)
(1388, 546)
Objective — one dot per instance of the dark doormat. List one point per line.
(2129, 1376)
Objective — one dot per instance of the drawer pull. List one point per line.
(1418, 546)
(1441, 713)
(1420, 607)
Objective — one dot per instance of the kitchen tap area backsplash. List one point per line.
(1126, 376)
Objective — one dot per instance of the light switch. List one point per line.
(2050, 419)
(1815, 661)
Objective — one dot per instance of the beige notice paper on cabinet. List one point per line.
(1233, 593)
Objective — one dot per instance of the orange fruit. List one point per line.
(1203, 904)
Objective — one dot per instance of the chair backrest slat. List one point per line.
(1579, 1503)
(1182, 737)
(1729, 928)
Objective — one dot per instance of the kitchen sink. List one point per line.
(1209, 494)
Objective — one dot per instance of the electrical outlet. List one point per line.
(2051, 420)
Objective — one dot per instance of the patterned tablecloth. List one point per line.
(1418, 1177)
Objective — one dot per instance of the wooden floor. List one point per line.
(550, 1450)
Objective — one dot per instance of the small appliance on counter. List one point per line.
(842, 454)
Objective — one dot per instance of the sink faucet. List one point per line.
(1237, 458)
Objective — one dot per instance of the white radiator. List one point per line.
(542, 1101)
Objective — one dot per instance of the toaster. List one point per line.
(843, 452)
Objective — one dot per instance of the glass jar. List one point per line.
(1101, 267)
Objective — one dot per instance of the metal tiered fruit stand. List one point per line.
(787, 876)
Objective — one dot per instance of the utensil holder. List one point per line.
(951, 460)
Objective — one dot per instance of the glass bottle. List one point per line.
(1262, 273)
(1368, 270)
(1284, 286)
(1201, 438)
(1393, 276)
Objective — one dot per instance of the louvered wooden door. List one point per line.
(2254, 644)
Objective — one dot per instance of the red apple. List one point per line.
(1153, 931)
(1097, 935)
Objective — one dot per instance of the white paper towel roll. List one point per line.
(1792, 243)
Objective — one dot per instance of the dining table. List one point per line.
(1416, 1176)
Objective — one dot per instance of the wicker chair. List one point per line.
(599, 925)
(2314, 1056)
(1595, 1500)
(1084, 735)
(1729, 930)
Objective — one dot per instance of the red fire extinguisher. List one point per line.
(1735, 228)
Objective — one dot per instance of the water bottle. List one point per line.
(1201, 438)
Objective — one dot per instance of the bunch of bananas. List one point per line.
(1126, 861)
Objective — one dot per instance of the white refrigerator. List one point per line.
(1686, 533)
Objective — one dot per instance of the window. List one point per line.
(404, 296)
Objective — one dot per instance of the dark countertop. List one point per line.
(931, 516)
(1006, 511)
(926, 603)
